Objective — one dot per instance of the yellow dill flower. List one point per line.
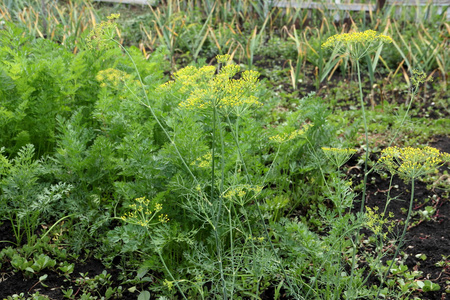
(191, 77)
(378, 223)
(338, 156)
(158, 206)
(113, 17)
(98, 37)
(256, 239)
(238, 193)
(163, 218)
(417, 78)
(285, 137)
(142, 213)
(114, 77)
(205, 88)
(203, 161)
(410, 162)
(357, 44)
(222, 59)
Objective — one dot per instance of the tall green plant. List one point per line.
(214, 181)
(409, 164)
(357, 45)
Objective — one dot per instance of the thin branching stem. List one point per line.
(402, 237)
(172, 142)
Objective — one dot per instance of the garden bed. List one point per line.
(164, 171)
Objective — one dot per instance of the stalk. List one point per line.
(216, 221)
(170, 273)
(404, 118)
(402, 237)
(259, 212)
(366, 133)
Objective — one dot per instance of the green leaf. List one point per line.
(430, 286)
(144, 295)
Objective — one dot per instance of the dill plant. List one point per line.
(217, 183)
(214, 97)
(410, 164)
(357, 45)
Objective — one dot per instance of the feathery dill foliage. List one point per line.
(411, 162)
(379, 223)
(357, 44)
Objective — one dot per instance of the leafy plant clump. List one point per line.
(210, 183)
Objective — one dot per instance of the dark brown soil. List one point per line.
(429, 237)
(15, 283)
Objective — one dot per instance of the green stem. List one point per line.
(402, 237)
(233, 278)
(366, 133)
(51, 228)
(363, 200)
(404, 118)
(260, 215)
(219, 212)
(16, 229)
(170, 274)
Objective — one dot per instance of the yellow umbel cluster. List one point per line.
(240, 194)
(112, 76)
(338, 156)
(203, 161)
(286, 137)
(410, 163)
(378, 223)
(357, 44)
(142, 213)
(207, 88)
(102, 32)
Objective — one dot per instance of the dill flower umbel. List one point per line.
(112, 76)
(379, 223)
(338, 156)
(357, 44)
(203, 161)
(239, 193)
(102, 32)
(410, 163)
(143, 211)
(207, 88)
(286, 137)
(417, 78)
(222, 59)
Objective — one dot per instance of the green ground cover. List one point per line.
(220, 150)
